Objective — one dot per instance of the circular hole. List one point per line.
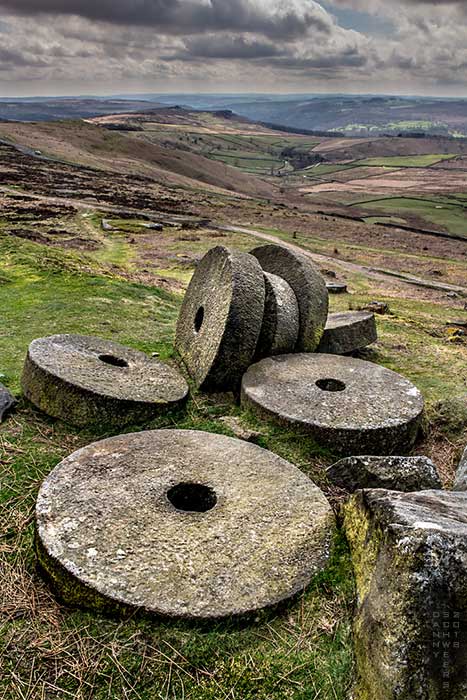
(192, 498)
(112, 360)
(330, 385)
(199, 319)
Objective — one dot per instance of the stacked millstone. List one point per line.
(241, 307)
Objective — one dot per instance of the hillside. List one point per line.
(89, 145)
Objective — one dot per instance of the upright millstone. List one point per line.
(309, 288)
(348, 332)
(221, 317)
(180, 523)
(88, 381)
(281, 321)
(347, 405)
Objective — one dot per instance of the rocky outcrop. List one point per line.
(396, 473)
(409, 553)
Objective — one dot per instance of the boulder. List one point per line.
(396, 473)
(460, 483)
(409, 552)
(7, 401)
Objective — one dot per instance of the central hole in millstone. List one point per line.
(192, 498)
(112, 360)
(199, 319)
(330, 385)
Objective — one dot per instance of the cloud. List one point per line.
(225, 46)
(273, 18)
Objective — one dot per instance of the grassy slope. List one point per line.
(90, 145)
(48, 651)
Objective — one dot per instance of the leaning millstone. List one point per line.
(396, 473)
(309, 288)
(7, 402)
(180, 523)
(347, 332)
(347, 405)
(409, 554)
(87, 381)
(279, 332)
(460, 483)
(336, 288)
(220, 320)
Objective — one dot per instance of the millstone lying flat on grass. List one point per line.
(347, 332)
(221, 317)
(279, 332)
(308, 285)
(180, 523)
(348, 405)
(85, 380)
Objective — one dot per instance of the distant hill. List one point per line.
(67, 108)
(90, 145)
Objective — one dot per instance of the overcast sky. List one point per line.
(110, 46)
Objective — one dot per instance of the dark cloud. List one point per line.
(188, 16)
(225, 47)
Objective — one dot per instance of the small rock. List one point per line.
(7, 402)
(155, 354)
(106, 225)
(377, 307)
(336, 288)
(154, 226)
(460, 483)
(395, 473)
(240, 432)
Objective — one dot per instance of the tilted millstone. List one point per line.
(180, 523)
(348, 405)
(220, 319)
(347, 332)
(308, 285)
(279, 332)
(88, 381)
(409, 552)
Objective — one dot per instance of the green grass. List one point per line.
(451, 217)
(325, 169)
(301, 650)
(422, 161)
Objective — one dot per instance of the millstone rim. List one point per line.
(268, 533)
(220, 319)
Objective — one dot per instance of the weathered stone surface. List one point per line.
(336, 288)
(409, 553)
(180, 523)
(7, 402)
(460, 483)
(347, 332)
(348, 405)
(220, 320)
(309, 288)
(395, 473)
(281, 321)
(85, 380)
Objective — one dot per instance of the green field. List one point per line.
(420, 161)
(451, 217)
